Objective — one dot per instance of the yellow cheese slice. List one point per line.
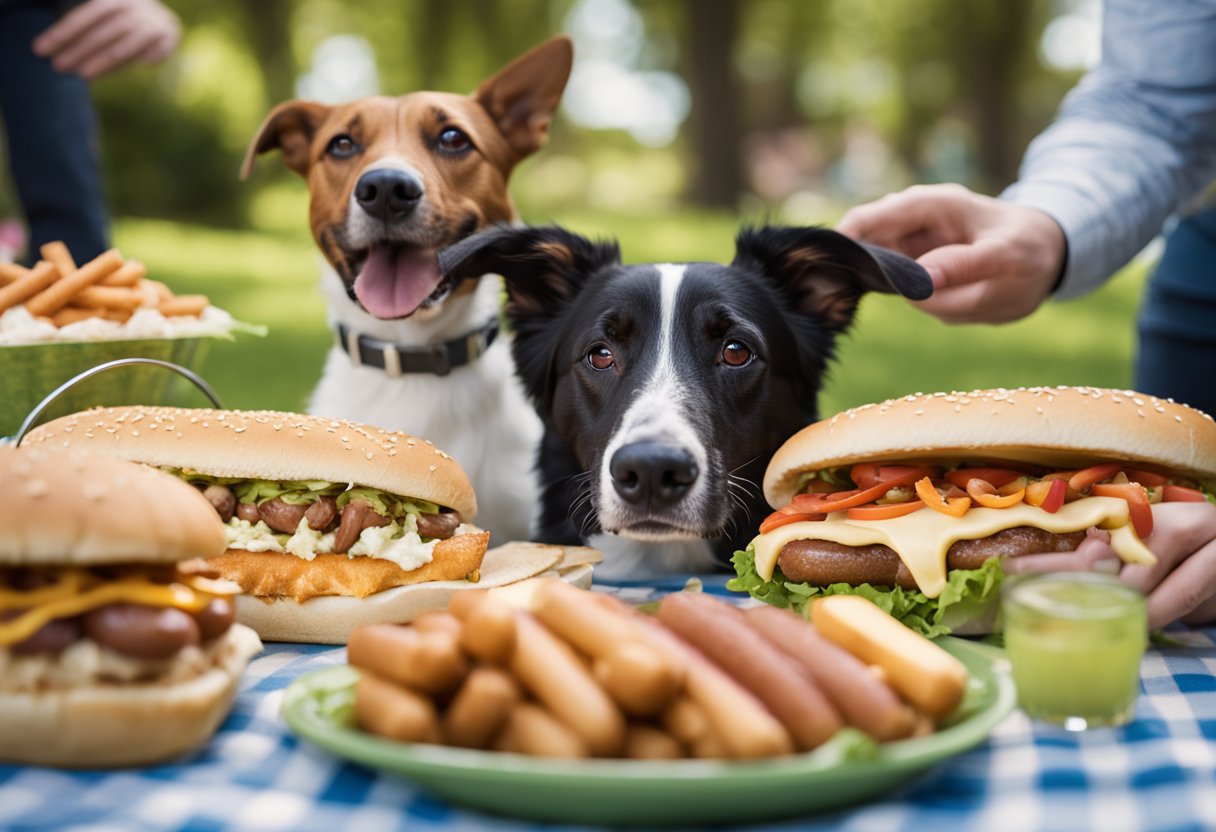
(922, 538)
(132, 591)
(66, 585)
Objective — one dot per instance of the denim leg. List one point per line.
(1177, 322)
(50, 130)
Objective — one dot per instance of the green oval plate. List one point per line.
(848, 769)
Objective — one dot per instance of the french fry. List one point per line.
(108, 297)
(28, 286)
(57, 296)
(75, 314)
(163, 292)
(56, 252)
(11, 273)
(181, 305)
(129, 275)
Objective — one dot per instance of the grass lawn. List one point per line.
(269, 277)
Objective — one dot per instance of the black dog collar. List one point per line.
(397, 360)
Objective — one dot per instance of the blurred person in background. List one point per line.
(49, 50)
(1132, 145)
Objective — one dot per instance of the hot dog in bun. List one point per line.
(326, 520)
(113, 651)
(914, 501)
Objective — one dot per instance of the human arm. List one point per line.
(1181, 586)
(100, 36)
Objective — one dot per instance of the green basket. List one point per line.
(28, 373)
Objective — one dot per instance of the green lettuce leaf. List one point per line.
(969, 594)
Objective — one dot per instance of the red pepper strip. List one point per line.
(1047, 494)
(870, 474)
(997, 476)
(955, 507)
(779, 518)
(1181, 494)
(878, 511)
(827, 503)
(1137, 502)
(1146, 478)
(1086, 477)
(983, 493)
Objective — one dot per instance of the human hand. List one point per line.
(991, 261)
(1181, 586)
(100, 36)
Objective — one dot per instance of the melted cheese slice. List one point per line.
(922, 538)
(71, 597)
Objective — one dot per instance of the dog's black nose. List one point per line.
(652, 474)
(388, 194)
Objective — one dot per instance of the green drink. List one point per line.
(1075, 640)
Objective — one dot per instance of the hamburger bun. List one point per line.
(64, 509)
(1052, 426)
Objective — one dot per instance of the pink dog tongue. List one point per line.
(395, 281)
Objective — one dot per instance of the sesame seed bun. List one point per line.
(61, 507)
(1064, 427)
(267, 445)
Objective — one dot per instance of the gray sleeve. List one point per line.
(1134, 142)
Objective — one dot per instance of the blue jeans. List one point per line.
(51, 135)
(1177, 323)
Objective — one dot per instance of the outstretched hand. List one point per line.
(100, 36)
(990, 260)
(1181, 586)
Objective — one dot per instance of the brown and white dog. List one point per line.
(391, 181)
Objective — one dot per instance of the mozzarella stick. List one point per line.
(736, 716)
(59, 294)
(438, 621)
(56, 252)
(128, 275)
(594, 630)
(480, 708)
(183, 305)
(554, 674)
(720, 632)
(861, 698)
(645, 742)
(11, 272)
(530, 729)
(108, 297)
(29, 285)
(397, 713)
(923, 673)
(489, 632)
(685, 720)
(639, 678)
(428, 662)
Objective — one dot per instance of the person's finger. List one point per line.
(1089, 555)
(73, 55)
(73, 25)
(1180, 530)
(1182, 592)
(943, 211)
(117, 54)
(161, 48)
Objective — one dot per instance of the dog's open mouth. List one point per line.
(397, 279)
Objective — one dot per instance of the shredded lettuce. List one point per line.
(387, 504)
(292, 492)
(969, 594)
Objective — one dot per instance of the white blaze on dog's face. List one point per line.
(392, 180)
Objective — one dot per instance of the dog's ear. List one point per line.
(521, 98)
(826, 273)
(289, 127)
(544, 269)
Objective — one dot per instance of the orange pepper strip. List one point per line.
(1086, 477)
(779, 518)
(955, 507)
(983, 493)
(876, 511)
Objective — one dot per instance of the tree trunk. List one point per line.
(1001, 35)
(715, 128)
(270, 35)
(432, 42)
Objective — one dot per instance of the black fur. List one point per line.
(787, 295)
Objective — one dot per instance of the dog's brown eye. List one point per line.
(736, 354)
(453, 140)
(342, 146)
(601, 358)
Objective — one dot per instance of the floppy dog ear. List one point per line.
(544, 268)
(289, 127)
(826, 273)
(521, 98)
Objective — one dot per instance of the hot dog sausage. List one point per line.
(428, 662)
(397, 713)
(142, 632)
(480, 708)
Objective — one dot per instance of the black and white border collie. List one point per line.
(664, 389)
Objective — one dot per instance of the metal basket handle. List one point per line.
(193, 377)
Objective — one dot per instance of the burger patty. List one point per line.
(822, 562)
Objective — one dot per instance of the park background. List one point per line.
(683, 119)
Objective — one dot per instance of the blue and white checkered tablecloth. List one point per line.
(1157, 773)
